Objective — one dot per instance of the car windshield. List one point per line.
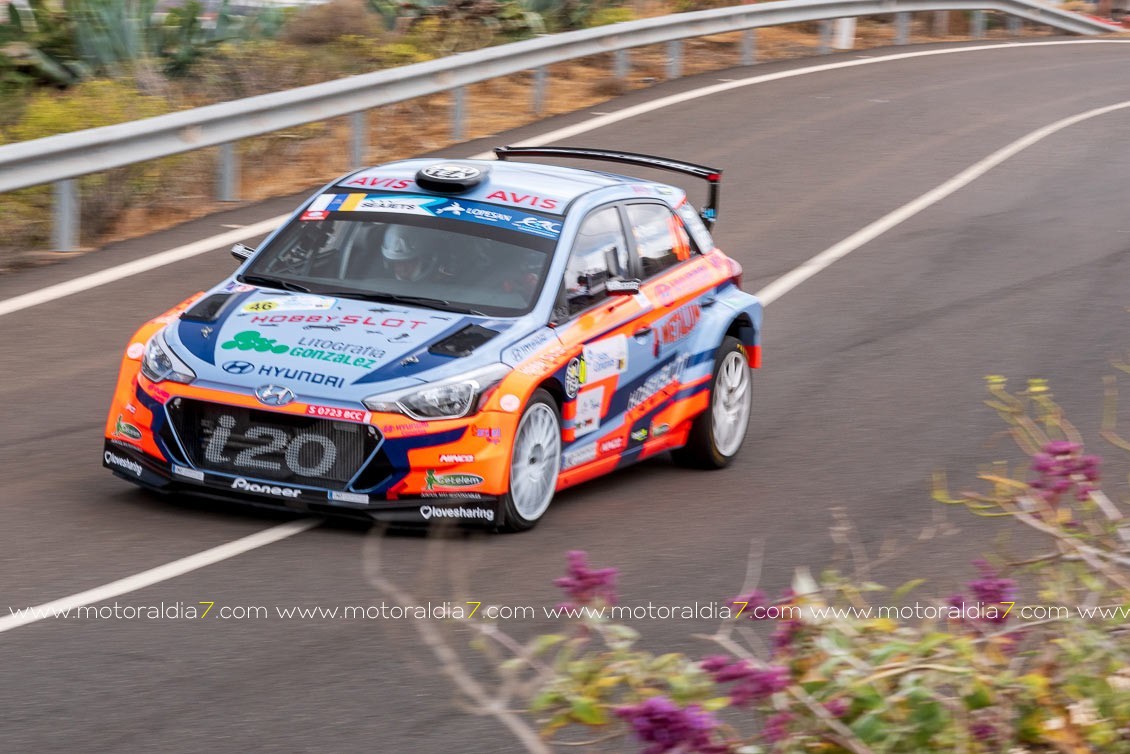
(431, 251)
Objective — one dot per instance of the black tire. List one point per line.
(702, 450)
(523, 506)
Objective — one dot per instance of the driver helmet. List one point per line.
(410, 253)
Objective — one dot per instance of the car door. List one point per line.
(606, 355)
(674, 277)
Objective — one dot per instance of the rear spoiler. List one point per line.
(713, 176)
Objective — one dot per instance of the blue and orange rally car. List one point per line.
(449, 340)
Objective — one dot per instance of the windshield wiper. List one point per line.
(271, 282)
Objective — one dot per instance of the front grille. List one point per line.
(268, 445)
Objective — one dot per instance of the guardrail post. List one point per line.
(227, 182)
(749, 46)
(540, 77)
(674, 59)
(1014, 25)
(902, 27)
(458, 105)
(622, 65)
(358, 138)
(825, 37)
(845, 34)
(64, 232)
(941, 23)
(978, 30)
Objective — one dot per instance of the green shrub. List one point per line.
(25, 216)
(981, 671)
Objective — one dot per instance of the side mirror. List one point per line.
(242, 252)
(615, 287)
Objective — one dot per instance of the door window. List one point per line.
(661, 240)
(600, 253)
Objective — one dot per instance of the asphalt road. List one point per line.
(873, 378)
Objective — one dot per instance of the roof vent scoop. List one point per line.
(451, 177)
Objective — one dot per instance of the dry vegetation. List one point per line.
(295, 160)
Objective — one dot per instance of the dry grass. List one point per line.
(292, 161)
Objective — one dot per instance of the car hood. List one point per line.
(329, 347)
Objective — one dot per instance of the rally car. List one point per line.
(439, 340)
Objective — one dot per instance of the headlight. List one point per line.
(449, 399)
(160, 363)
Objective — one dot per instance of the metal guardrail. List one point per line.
(60, 159)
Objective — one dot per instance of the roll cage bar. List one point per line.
(713, 176)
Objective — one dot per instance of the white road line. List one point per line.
(136, 267)
(768, 294)
(113, 274)
(706, 91)
(22, 617)
(824, 259)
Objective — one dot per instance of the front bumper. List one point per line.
(135, 466)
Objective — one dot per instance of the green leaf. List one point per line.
(586, 710)
(870, 728)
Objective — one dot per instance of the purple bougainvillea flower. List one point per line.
(837, 707)
(777, 727)
(1062, 448)
(751, 683)
(585, 585)
(667, 727)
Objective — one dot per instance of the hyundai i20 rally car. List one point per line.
(449, 340)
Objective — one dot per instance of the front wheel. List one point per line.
(535, 463)
(718, 433)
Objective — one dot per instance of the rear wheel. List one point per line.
(718, 432)
(535, 463)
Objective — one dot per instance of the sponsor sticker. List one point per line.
(456, 458)
(679, 325)
(290, 303)
(126, 464)
(658, 430)
(187, 473)
(670, 372)
(493, 435)
(604, 359)
(433, 480)
(509, 402)
(122, 428)
(578, 456)
(461, 512)
(264, 489)
(607, 446)
(572, 378)
(135, 350)
(590, 404)
(348, 497)
(639, 435)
